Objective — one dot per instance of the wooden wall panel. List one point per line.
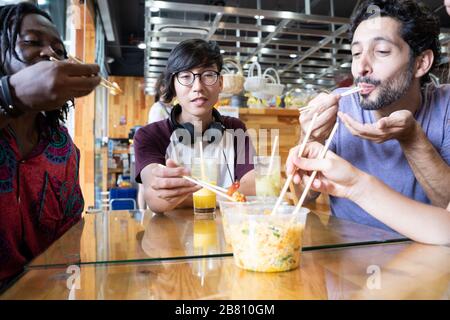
(129, 109)
(285, 121)
(85, 109)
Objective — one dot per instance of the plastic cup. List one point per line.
(204, 199)
(264, 242)
(267, 177)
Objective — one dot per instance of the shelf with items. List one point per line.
(118, 173)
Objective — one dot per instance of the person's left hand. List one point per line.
(400, 125)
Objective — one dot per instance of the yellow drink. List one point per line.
(268, 185)
(267, 176)
(204, 200)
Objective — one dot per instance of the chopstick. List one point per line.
(105, 82)
(208, 186)
(300, 153)
(217, 190)
(313, 175)
(112, 86)
(213, 186)
(345, 93)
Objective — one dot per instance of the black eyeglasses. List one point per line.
(187, 78)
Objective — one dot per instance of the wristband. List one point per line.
(7, 105)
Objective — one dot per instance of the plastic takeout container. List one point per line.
(264, 242)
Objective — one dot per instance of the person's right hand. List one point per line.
(327, 106)
(168, 183)
(335, 175)
(47, 85)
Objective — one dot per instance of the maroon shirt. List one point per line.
(152, 141)
(40, 196)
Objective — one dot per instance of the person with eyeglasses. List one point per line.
(192, 76)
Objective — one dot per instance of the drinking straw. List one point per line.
(272, 155)
(202, 163)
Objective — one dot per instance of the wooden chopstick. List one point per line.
(313, 175)
(103, 82)
(214, 186)
(345, 93)
(206, 185)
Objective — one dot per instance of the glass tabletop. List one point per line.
(117, 236)
(408, 271)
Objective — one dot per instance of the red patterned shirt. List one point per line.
(40, 195)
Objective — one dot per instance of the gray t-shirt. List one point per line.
(386, 161)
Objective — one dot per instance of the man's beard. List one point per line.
(389, 91)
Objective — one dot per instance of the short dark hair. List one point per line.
(187, 55)
(420, 28)
(11, 17)
(159, 87)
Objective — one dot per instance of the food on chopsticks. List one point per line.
(234, 187)
(238, 197)
(113, 87)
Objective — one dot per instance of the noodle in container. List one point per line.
(266, 242)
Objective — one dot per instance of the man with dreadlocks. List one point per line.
(40, 195)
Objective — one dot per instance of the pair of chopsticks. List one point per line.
(222, 192)
(300, 154)
(322, 154)
(113, 87)
(345, 93)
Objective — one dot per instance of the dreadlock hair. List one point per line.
(11, 17)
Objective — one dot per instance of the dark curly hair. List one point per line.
(420, 28)
(159, 87)
(11, 17)
(186, 55)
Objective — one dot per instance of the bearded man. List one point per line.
(397, 127)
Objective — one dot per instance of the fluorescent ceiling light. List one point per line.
(293, 55)
(259, 17)
(142, 45)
